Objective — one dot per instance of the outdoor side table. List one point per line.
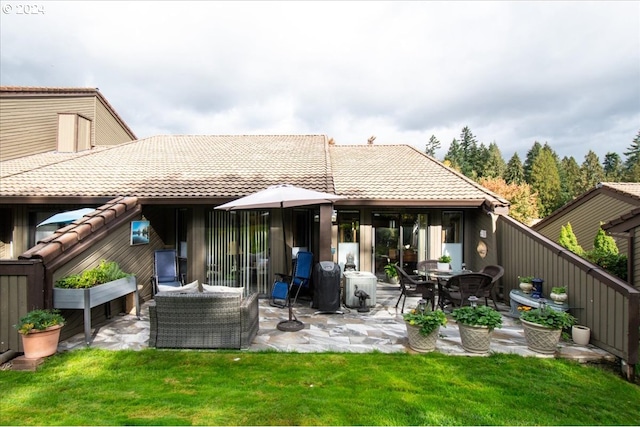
(517, 297)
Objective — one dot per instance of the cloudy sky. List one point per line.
(566, 73)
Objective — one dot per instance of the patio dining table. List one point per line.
(441, 277)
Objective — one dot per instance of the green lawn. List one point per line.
(151, 387)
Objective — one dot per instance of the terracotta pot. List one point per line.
(540, 338)
(37, 344)
(475, 339)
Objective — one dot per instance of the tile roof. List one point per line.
(224, 166)
(631, 189)
(80, 230)
(400, 172)
(230, 166)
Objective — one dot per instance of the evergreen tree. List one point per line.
(569, 240)
(570, 179)
(455, 155)
(432, 145)
(591, 172)
(531, 157)
(613, 167)
(545, 181)
(493, 166)
(632, 162)
(514, 172)
(469, 147)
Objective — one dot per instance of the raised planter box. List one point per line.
(88, 298)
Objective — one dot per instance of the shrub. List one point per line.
(103, 273)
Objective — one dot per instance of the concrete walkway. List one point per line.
(382, 329)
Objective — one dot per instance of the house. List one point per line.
(400, 205)
(37, 120)
(57, 121)
(606, 202)
(627, 227)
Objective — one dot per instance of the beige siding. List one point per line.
(585, 220)
(108, 129)
(636, 257)
(30, 125)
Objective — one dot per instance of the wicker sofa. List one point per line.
(203, 320)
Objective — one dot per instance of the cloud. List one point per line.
(567, 73)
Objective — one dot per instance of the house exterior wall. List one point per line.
(108, 129)
(634, 258)
(586, 218)
(30, 124)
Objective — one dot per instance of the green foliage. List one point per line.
(514, 172)
(428, 321)
(103, 273)
(432, 145)
(39, 320)
(445, 259)
(569, 179)
(391, 270)
(632, 163)
(603, 244)
(549, 318)
(613, 167)
(569, 240)
(591, 172)
(526, 279)
(224, 388)
(559, 290)
(545, 181)
(478, 316)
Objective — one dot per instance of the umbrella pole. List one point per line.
(293, 324)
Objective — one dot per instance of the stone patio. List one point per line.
(382, 329)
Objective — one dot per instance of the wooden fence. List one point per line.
(604, 303)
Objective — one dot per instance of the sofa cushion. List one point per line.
(191, 287)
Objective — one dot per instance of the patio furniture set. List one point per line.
(453, 287)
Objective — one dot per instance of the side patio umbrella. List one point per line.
(282, 196)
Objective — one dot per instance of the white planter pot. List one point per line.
(475, 339)
(443, 266)
(421, 343)
(541, 339)
(526, 287)
(558, 298)
(580, 334)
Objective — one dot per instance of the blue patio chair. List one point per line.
(165, 269)
(282, 289)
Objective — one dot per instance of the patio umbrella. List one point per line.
(282, 196)
(66, 217)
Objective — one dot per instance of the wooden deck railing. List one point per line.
(604, 303)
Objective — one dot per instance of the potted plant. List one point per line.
(93, 287)
(392, 272)
(444, 263)
(526, 283)
(423, 328)
(543, 327)
(475, 325)
(40, 331)
(558, 294)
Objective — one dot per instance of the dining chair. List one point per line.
(412, 286)
(460, 287)
(496, 272)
